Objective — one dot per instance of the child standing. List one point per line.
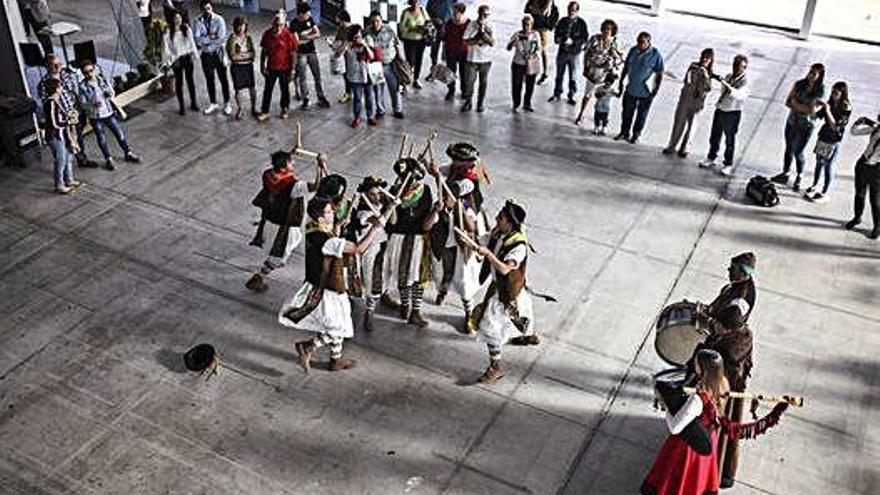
(604, 94)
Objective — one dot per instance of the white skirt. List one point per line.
(331, 316)
(393, 251)
(294, 237)
(466, 277)
(366, 262)
(496, 325)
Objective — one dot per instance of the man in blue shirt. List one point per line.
(642, 61)
(209, 32)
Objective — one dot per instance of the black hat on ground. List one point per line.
(199, 358)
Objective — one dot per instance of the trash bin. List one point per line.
(18, 133)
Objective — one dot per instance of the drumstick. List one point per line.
(794, 400)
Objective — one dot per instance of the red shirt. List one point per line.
(454, 37)
(279, 47)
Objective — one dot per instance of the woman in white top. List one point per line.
(178, 49)
(526, 63)
(603, 55)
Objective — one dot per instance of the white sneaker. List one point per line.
(227, 110)
(707, 163)
(210, 109)
(726, 170)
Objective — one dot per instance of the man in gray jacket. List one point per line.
(381, 36)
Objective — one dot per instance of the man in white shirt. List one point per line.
(867, 179)
(480, 39)
(728, 111)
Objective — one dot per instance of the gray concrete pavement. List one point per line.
(102, 290)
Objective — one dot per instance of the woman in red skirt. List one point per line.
(679, 469)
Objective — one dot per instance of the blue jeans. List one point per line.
(726, 124)
(570, 61)
(824, 164)
(63, 162)
(393, 90)
(361, 92)
(796, 139)
(638, 106)
(115, 127)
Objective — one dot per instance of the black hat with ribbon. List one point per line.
(370, 182)
(463, 152)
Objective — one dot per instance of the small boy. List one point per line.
(604, 94)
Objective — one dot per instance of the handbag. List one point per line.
(442, 74)
(402, 70)
(823, 149)
(376, 72)
(595, 74)
(762, 192)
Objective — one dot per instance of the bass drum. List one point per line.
(678, 333)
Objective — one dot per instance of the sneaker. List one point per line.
(109, 165)
(668, 151)
(810, 191)
(323, 103)
(345, 98)
(372, 122)
(132, 158)
(63, 190)
(211, 109)
(227, 110)
(515, 109)
(707, 163)
(780, 178)
(726, 170)
(74, 184)
(285, 114)
(553, 99)
(355, 123)
(528, 109)
(818, 197)
(682, 154)
(305, 104)
(542, 79)
(397, 115)
(852, 223)
(262, 117)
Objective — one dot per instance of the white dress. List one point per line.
(333, 313)
(496, 325)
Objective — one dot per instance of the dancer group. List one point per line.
(389, 242)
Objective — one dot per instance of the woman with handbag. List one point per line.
(602, 55)
(803, 100)
(836, 113)
(416, 30)
(240, 48)
(178, 50)
(61, 138)
(526, 63)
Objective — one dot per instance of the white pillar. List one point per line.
(807, 24)
(656, 7)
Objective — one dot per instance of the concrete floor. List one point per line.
(102, 290)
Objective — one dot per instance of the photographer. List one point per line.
(728, 111)
(867, 179)
(480, 39)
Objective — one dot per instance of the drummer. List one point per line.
(727, 316)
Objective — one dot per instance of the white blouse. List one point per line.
(181, 45)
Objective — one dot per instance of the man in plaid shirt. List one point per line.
(69, 83)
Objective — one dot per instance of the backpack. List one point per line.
(402, 70)
(761, 191)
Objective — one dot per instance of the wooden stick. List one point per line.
(410, 152)
(370, 205)
(466, 238)
(402, 146)
(387, 193)
(794, 400)
(307, 153)
(299, 141)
